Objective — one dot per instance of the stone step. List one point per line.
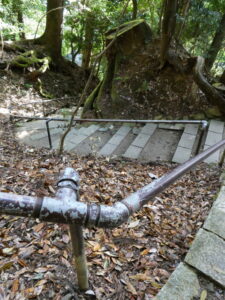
(41, 125)
(140, 141)
(171, 126)
(56, 138)
(207, 254)
(79, 136)
(93, 143)
(43, 134)
(214, 135)
(186, 143)
(115, 141)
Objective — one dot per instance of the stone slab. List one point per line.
(107, 150)
(76, 140)
(55, 143)
(213, 158)
(216, 126)
(133, 152)
(25, 134)
(171, 126)
(88, 130)
(141, 140)
(149, 129)
(115, 141)
(78, 136)
(41, 125)
(43, 134)
(191, 128)
(207, 254)
(123, 130)
(213, 138)
(215, 221)
(182, 285)
(181, 155)
(187, 140)
(220, 200)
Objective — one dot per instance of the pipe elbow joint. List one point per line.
(107, 216)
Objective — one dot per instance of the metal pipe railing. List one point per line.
(85, 214)
(203, 123)
(66, 208)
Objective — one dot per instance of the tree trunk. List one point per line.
(216, 44)
(52, 39)
(183, 14)
(88, 40)
(18, 11)
(135, 9)
(168, 28)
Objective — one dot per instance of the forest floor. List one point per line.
(150, 95)
(132, 261)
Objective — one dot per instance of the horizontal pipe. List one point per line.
(203, 122)
(62, 210)
(17, 205)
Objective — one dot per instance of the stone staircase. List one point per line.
(148, 142)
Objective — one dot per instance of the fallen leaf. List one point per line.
(203, 295)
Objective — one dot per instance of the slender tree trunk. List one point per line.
(161, 17)
(135, 9)
(18, 11)
(216, 44)
(88, 40)
(168, 28)
(183, 14)
(52, 39)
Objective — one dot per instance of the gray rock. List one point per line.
(216, 126)
(181, 155)
(207, 254)
(182, 285)
(215, 221)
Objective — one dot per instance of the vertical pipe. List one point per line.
(77, 239)
(76, 233)
(69, 187)
(48, 132)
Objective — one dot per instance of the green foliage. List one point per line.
(200, 24)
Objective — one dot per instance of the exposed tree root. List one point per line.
(212, 94)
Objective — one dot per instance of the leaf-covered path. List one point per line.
(129, 262)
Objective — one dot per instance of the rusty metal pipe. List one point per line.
(16, 205)
(74, 212)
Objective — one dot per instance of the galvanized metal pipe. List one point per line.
(68, 187)
(203, 122)
(73, 212)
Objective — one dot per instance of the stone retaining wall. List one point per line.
(204, 261)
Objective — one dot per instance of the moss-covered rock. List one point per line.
(213, 112)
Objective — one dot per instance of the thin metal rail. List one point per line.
(203, 123)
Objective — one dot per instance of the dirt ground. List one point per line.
(143, 92)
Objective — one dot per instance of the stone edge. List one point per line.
(172, 289)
